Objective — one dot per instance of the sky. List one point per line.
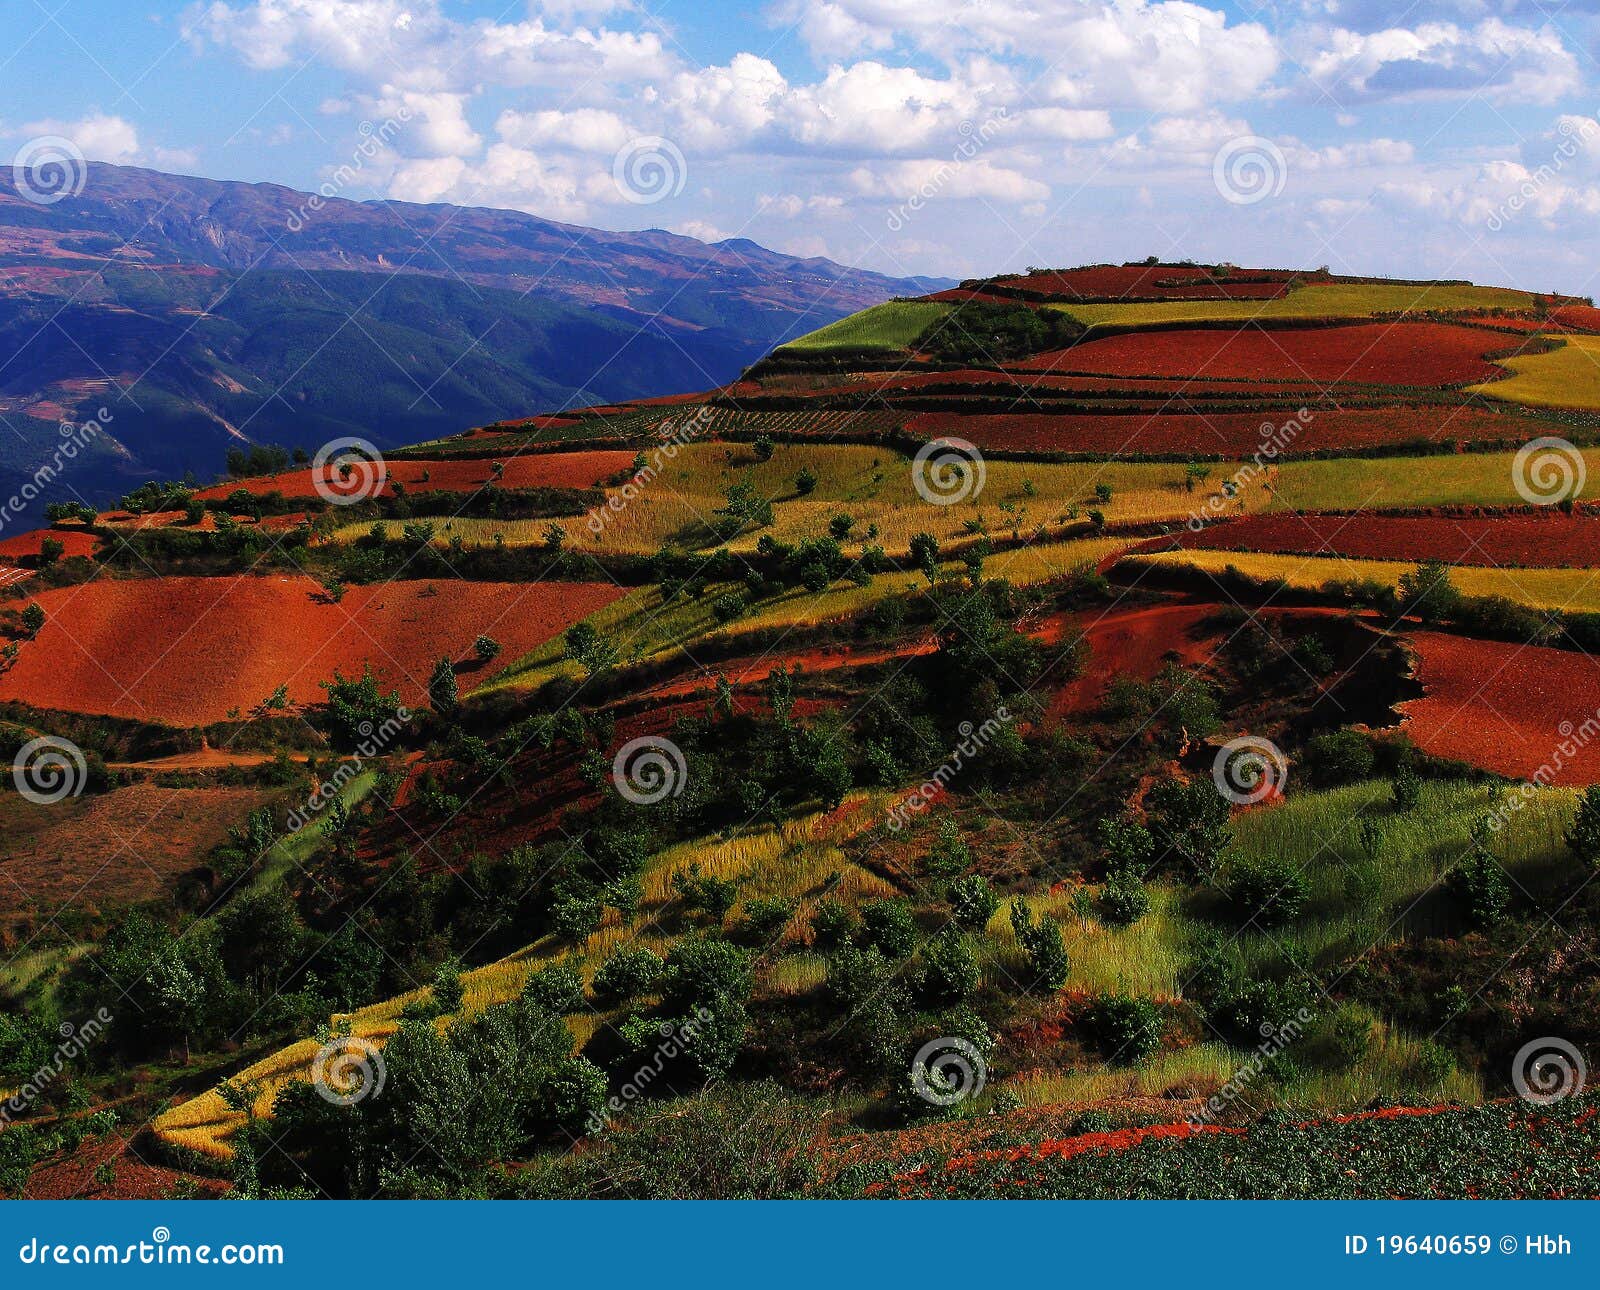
(950, 137)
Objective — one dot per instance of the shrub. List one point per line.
(1268, 893)
(442, 691)
(629, 972)
(33, 618)
(1583, 837)
(831, 924)
(1048, 964)
(1480, 886)
(765, 918)
(1128, 1030)
(1339, 757)
(486, 648)
(1407, 789)
(558, 989)
(762, 447)
(1123, 900)
(973, 902)
(890, 927)
(805, 481)
(730, 606)
(950, 969)
(950, 853)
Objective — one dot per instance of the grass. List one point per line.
(889, 326)
(1568, 376)
(1328, 300)
(1575, 590)
(1349, 483)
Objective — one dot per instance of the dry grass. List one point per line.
(1566, 377)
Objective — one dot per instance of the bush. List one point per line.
(1480, 887)
(765, 918)
(1048, 964)
(1123, 900)
(729, 606)
(890, 928)
(558, 989)
(805, 482)
(1583, 837)
(832, 924)
(33, 619)
(973, 902)
(486, 648)
(950, 969)
(1339, 757)
(1268, 893)
(629, 972)
(1128, 1030)
(1407, 787)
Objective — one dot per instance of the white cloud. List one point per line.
(98, 136)
(1443, 60)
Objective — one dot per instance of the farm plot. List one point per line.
(26, 546)
(1507, 708)
(1390, 354)
(1565, 377)
(1317, 300)
(189, 651)
(582, 469)
(1550, 540)
(1575, 590)
(889, 326)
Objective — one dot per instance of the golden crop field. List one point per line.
(1566, 377)
(1577, 590)
(1321, 300)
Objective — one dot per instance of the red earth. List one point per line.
(526, 470)
(1582, 317)
(1521, 539)
(1517, 710)
(1231, 434)
(25, 545)
(1153, 281)
(185, 651)
(1388, 353)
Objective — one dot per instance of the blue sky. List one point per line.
(927, 136)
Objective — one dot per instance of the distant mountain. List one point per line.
(203, 314)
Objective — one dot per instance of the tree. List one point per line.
(442, 691)
(1048, 964)
(1479, 884)
(1427, 592)
(762, 447)
(486, 648)
(51, 550)
(744, 505)
(950, 853)
(1127, 1029)
(890, 927)
(629, 972)
(950, 969)
(1123, 899)
(1407, 787)
(558, 989)
(33, 618)
(925, 554)
(1190, 818)
(1268, 893)
(805, 481)
(554, 536)
(589, 649)
(1583, 837)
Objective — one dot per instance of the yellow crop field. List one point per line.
(1326, 300)
(1565, 377)
(891, 325)
(1577, 590)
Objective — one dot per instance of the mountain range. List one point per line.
(203, 315)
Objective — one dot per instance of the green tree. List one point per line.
(442, 691)
(1041, 940)
(973, 901)
(1583, 837)
(486, 648)
(33, 618)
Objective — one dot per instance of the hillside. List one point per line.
(205, 315)
(1114, 731)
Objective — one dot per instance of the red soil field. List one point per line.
(1527, 540)
(1228, 433)
(1581, 317)
(1411, 353)
(1147, 281)
(527, 470)
(1135, 643)
(989, 383)
(186, 650)
(26, 545)
(1507, 708)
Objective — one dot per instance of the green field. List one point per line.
(1331, 300)
(1567, 377)
(892, 325)
(1574, 590)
